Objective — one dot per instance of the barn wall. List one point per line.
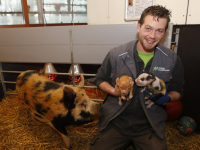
(52, 44)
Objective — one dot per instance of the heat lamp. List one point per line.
(50, 71)
(77, 71)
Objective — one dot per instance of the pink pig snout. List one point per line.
(137, 81)
(124, 92)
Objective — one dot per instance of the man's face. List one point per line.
(151, 33)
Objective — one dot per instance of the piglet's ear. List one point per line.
(131, 81)
(150, 80)
(150, 77)
(150, 73)
(117, 81)
(69, 97)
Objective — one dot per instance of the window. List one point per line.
(57, 11)
(43, 12)
(11, 12)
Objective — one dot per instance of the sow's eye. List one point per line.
(83, 104)
(142, 79)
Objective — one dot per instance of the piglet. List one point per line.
(125, 87)
(148, 80)
(145, 79)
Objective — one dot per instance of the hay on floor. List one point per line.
(177, 141)
(19, 130)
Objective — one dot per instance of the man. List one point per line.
(133, 121)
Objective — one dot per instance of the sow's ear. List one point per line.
(81, 83)
(69, 97)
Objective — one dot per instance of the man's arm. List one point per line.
(102, 79)
(106, 87)
(175, 88)
(175, 96)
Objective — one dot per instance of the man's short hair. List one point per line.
(156, 11)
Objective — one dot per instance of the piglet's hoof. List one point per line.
(123, 98)
(131, 96)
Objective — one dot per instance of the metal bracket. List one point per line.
(176, 40)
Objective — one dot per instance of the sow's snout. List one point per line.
(96, 110)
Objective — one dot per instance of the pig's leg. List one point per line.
(66, 139)
(123, 97)
(58, 124)
(130, 94)
(149, 103)
(143, 90)
(120, 101)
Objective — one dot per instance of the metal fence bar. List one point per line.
(58, 73)
(14, 93)
(13, 82)
(11, 93)
(2, 81)
(6, 71)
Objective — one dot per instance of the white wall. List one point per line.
(113, 11)
(178, 9)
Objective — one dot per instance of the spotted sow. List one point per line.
(54, 104)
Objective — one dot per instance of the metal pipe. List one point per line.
(83, 86)
(13, 93)
(90, 87)
(2, 81)
(72, 61)
(76, 74)
(99, 100)
(6, 71)
(9, 82)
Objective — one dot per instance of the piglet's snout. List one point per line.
(124, 92)
(139, 83)
(136, 81)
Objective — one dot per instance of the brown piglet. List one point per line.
(125, 87)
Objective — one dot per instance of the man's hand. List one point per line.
(106, 87)
(158, 98)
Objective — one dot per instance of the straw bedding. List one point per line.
(19, 130)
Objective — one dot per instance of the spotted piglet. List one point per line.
(56, 105)
(149, 81)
